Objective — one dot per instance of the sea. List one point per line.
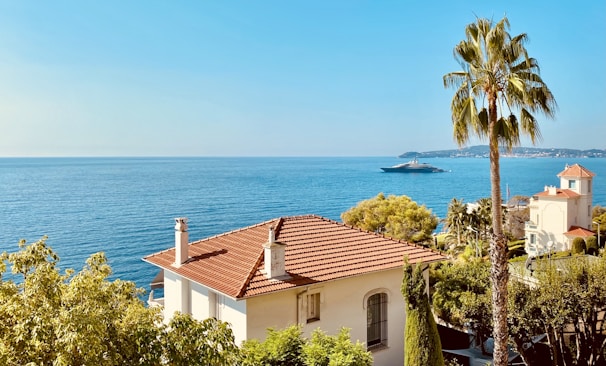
(125, 207)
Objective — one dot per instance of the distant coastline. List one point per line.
(482, 151)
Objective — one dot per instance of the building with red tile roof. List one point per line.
(558, 215)
(301, 269)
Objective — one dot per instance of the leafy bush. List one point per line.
(289, 347)
(592, 245)
(578, 246)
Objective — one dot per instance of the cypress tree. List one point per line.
(422, 346)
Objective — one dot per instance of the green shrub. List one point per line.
(289, 347)
(578, 246)
(592, 245)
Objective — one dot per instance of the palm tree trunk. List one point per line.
(499, 273)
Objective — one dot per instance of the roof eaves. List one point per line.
(340, 278)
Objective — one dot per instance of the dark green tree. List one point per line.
(462, 295)
(498, 78)
(578, 246)
(422, 346)
(592, 245)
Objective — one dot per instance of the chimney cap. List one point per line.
(181, 224)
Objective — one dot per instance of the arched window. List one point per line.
(376, 320)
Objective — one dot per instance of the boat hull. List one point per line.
(409, 170)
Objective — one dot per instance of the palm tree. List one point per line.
(457, 217)
(498, 79)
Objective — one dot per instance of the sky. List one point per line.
(273, 78)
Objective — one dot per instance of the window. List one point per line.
(376, 320)
(533, 238)
(216, 303)
(313, 307)
(589, 186)
(572, 184)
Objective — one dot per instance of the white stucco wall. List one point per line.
(235, 313)
(176, 294)
(200, 304)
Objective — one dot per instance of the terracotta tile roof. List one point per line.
(576, 170)
(577, 231)
(317, 250)
(560, 193)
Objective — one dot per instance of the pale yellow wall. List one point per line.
(278, 311)
(342, 305)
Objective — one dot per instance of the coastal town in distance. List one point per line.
(482, 151)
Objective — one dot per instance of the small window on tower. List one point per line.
(572, 184)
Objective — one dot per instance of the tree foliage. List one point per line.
(592, 245)
(498, 78)
(289, 347)
(422, 342)
(462, 295)
(564, 298)
(470, 224)
(395, 216)
(568, 303)
(187, 341)
(53, 318)
(578, 245)
(515, 221)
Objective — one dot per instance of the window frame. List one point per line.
(313, 307)
(376, 303)
(572, 184)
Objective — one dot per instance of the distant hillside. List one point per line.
(481, 151)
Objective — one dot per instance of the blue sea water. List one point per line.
(125, 206)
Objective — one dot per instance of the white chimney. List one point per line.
(552, 190)
(181, 241)
(274, 254)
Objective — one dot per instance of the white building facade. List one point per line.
(558, 215)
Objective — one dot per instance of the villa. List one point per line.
(558, 215)
(305, 270)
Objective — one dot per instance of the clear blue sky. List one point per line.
(272, 78)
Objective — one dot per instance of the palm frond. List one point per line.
(496, 69)
(455, 79)
(530, 126)
(507, 132)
